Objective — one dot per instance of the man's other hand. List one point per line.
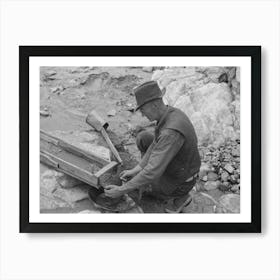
(113, 191)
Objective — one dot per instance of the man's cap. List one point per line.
(147, 92)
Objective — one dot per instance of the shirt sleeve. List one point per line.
(147, 155)
(158, 156)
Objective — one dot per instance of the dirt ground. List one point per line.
(68, 94)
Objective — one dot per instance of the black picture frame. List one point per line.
(254, 52)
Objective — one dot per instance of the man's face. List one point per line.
(148, 111)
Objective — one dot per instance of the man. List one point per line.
(170, 158)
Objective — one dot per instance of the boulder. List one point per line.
(235, 88)
(231, 73)
(147, 69)
(169, 75)
(225, 186)
(212, 119)
(184, 103)
(212, 176)
(89, 212)
(231, 202)
(48, 202)
(202, 130)
(72, 195)
(235, 188)
(209, 96)
(157, 74)
(236, 114)
(204, 169)
(44, 113)
(215, 74)
(237, 75)
(225, 176)
(48, 181)
(181, 87)
(48, 185)
(50, 73)
(229, 168)
(211, 185)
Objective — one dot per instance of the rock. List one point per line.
(225, 186)
(212, 176)
(204, 178)
(48, 185)
(57, 89)
(73, 71)
(224, 176)
(211, 185)
(231, 72)
(237, 75)
(202, 130)
(235, 188)
(236, 114)
(235, 152)
(199, 186)
(229, 168)
(171, 74)
(181, 88)
(208, 209)
(89, 212)
(72, 195)
(50, 73)
(233, 179)
(212, 118)
(147, 69)
(215, 74)
(200, 199)
(235, 88)
(50, 202)
(66, 181)
(204, 169)
(48, 181)
(231, 202)
(44, 113)
(111, 113)
(157, 74)
(201, 93)
(184, 103)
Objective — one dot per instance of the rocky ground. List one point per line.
(68, 94)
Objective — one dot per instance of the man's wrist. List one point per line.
(126, 188)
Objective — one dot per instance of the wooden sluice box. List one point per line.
(74, 161)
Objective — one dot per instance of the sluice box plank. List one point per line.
(71, 160)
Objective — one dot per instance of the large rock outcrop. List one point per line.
(208, 95)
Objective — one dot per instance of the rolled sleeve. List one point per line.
(146, 157)
(157, 158)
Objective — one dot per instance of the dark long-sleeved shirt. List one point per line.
(158, 156)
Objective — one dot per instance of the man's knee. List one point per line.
(143, 140)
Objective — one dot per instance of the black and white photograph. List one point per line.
(140, 139)
(135, 134)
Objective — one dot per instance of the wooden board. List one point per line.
(73, 161)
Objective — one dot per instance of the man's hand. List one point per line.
(114, 191)
(126, 174)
